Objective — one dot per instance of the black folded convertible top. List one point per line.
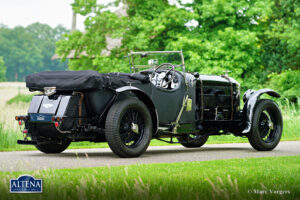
(81, 80)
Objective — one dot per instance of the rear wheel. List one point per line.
(266, 128)
(193, 140)
(128, 128)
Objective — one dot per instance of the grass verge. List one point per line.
(20, 98)
(252, 178)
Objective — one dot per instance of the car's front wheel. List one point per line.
(128, 128)
(266, 126)
(193, 140)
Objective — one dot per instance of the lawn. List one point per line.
(252, 178)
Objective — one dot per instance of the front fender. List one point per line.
(141, 95)
(251, 101)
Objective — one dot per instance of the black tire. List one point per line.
(192, 140)
(266, 127)
(122, 139)
(53, 148)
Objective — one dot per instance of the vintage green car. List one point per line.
(158, 100)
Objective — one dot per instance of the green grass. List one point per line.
(222, 179)
(20, 98)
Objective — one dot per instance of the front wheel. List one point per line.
(266, 128)
(193, 140)
(128, 128)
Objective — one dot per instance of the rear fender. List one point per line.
(250, 98)
(146, 100)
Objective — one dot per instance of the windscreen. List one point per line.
(145, 61)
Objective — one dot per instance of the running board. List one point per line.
(27, 142)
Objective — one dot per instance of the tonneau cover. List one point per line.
(81, 80)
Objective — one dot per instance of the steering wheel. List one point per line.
(166, 78)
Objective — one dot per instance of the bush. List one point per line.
(287, 84)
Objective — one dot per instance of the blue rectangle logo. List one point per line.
(26, 184)
(36, 117)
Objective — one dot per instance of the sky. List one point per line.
(52, 12)
(24, 12)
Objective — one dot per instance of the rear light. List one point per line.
(21, 117)
(56, 124)
(20, 122)
(25, 131)
(56, 119)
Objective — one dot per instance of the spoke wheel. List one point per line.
(132, 128)
(267, 125)
(128, 128)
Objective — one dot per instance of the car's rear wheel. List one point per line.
(193, 140)
(266, 128)
(128, 128)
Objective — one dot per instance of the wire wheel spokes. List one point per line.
(266, 127)
(131, 128)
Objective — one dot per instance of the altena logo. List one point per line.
(26, 184)
(40, 117)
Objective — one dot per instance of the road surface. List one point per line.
(74, 158)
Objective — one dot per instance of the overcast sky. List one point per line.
(25, 12)
(52, 12)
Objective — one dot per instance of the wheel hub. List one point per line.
(135, 128)
(265, 125)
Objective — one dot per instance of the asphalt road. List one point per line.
(33, 160)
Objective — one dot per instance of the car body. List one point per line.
(162, 102)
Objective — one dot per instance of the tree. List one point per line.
(250, 38)
(2, 70)
(29, 50)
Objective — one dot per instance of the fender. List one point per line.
(251, 97)
(146, 100)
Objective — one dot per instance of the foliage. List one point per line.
(2, 70)
(287, 84)
(28, 50)
(20, 98)
(251, 178)
(250, 38)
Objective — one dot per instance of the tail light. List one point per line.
(56, 124)
(21, 117)
(57, 119)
